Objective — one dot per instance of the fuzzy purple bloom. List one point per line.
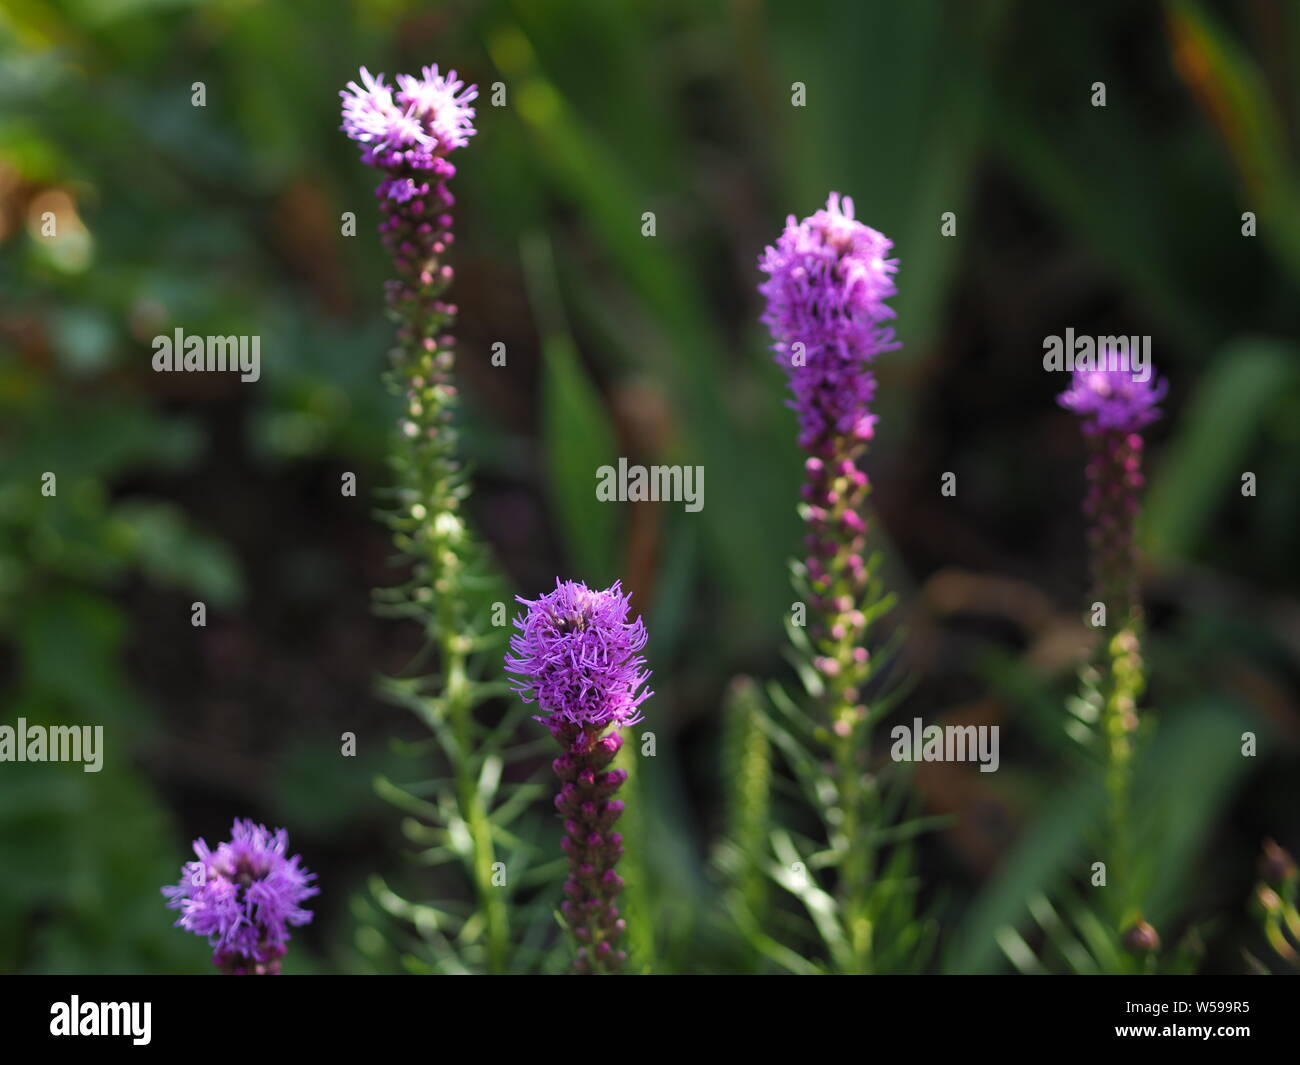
(1114, 408)
(406, 131)
(409, 124)
(828, 279)
(243, 896)
(577, 657)
(1112, 400)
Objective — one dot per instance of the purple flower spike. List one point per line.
(409, 125)
(243, 897)
(1114, 408)
(1111, 400)
(828, 279)
(576, 656)
(406, 132)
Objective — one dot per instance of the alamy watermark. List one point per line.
(919, 742)
(1126, 354)
(102, 1018)
(53, 743)
(654, 484)
(196, 354)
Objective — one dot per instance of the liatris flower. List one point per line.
(828, 279)
(828, 282)
(406, 132)
(1114, 408)
(243, 896)
(408, 129)
(577, 657)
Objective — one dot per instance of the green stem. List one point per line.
(856, 871)
(636, 901)
(838, 492)
(460, 712)
(436, 532)
(1123, 686)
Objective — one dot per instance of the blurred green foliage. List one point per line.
(228, 219)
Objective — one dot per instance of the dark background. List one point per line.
(226, 220)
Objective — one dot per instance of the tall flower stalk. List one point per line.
(244, 895)
(829, 277)
(577, 657)
(407, 131)
(1114, 408)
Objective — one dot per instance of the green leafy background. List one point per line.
(227, 219)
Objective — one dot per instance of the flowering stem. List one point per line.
(1122, 686)
(836, 491)
(1114, 476)
(587, 804)
(430, 528)
(577, 657)
(1114, 480)
(459, 701)
(406, 132)
(828, 281)
(1115, 404)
